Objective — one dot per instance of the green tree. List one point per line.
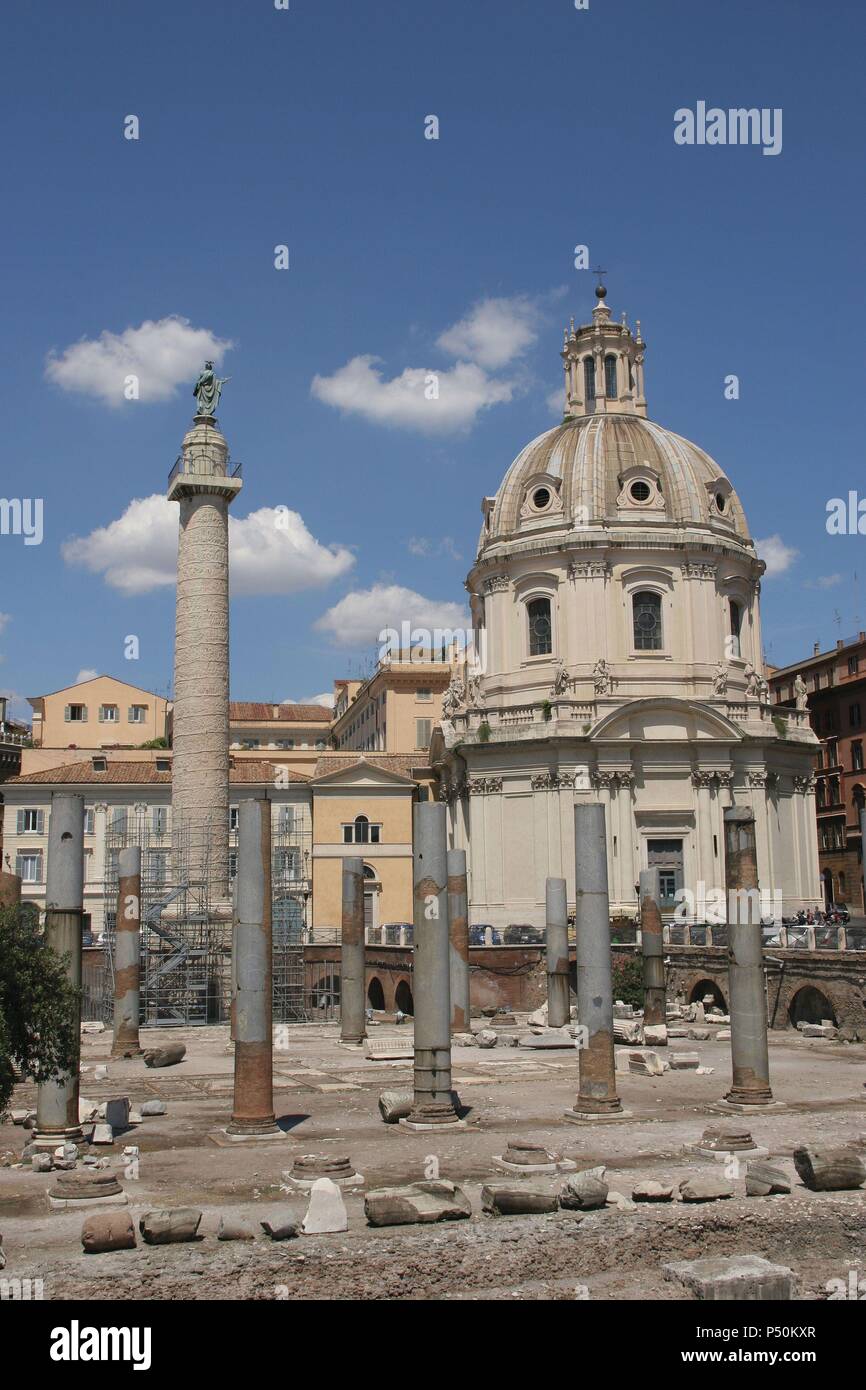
(627, 979)
(39, 1008)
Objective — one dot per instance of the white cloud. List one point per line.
(270, 551)
(326, 699)
(777, 556)
(555, 401)
(85, 675)
(163, 355)
(493, 333)
(359, 618)
(423, 547)
(463, 392)
(18, 707)
(5, 618)
(828, 581)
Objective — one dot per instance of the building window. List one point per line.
(589, 378)
(610, 378)
(361, 832)
(832, 752)
(640, 491)
(233, 818)
(821, 795)
(321, 743)
(854, 715)
(163, 764)
(158, 864)
(853, 665)
(233, 863)
(424, 694)
(735, 614)
(647, 610)
(30, 822)
(159, 819)
(75, 714)
(89, 820)
(285, 743)
(857, 756)
(137, 714)
(423, 730)
(540, 630)
(108, 714)
(28, 867)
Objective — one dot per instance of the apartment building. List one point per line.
(836, 700)
(98, 713)
(133, 799)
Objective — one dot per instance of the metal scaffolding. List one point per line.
(186, 931)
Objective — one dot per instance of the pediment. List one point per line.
(363, 775)
(665, 720)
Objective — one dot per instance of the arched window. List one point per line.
(540, 631)
(361, 832)
(647, 611)
(736, 617)
(369, 873)
(610, 389)
(589, 378)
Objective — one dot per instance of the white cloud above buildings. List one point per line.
(494, 334)
(777, 556)
(360, 617)
(86, 674)
(161, 355)
(5, 619)
(420, 398)
(326, 699)
(271, 551)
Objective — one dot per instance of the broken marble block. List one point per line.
(234, 1228)
(326, 1213)
(655, 1034)
(102, 1134)
(282, 1226)
(829, 1170)
(498, 1199)
(653, 1192)
(627, 1030)
(117, 1112)
(585, 1191)
(167, 1056)
(108, 1230)
(462, 1039)
(418, 1202)
(170, 1226)
(729, 1278)
(762, 1179)
(395, 1105)
(152, 1107)
(42, 1163)
(685, 1061)
(642, 1062)
(486, 1037)
(705, 1187)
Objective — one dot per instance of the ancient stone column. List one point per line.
(748, 1005)
(252, 946)
(57, 1101)
(556, 934)
(353, 989)
(10, 889)
(432, 1103)
(200, 716)
(652, 947)
(597, 1097)
(458, 930)
(127, 954)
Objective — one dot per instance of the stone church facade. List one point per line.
(617, 591)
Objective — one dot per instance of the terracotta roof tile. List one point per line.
(243, 772)
(258, 711)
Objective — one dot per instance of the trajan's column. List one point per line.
(202, 482)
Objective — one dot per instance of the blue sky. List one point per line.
(261, 127)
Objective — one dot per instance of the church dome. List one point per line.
(613, 470)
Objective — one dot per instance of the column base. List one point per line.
(433, 1115)
(596, 1117)
(232, 1135)
(732, 1102)
(254, 1128)
(45, 1140)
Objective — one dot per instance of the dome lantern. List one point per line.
(603, 366)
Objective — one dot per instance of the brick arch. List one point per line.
(403, 995)
(375, 994)
(705, 984)
(809, 1003)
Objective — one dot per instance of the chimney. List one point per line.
(816, 648)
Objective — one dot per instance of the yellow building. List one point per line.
(294, 736)
(362, 806)
(394, 710)
(98, 713)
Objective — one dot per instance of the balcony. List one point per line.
(204, 471)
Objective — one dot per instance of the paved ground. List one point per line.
(326, 1097)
